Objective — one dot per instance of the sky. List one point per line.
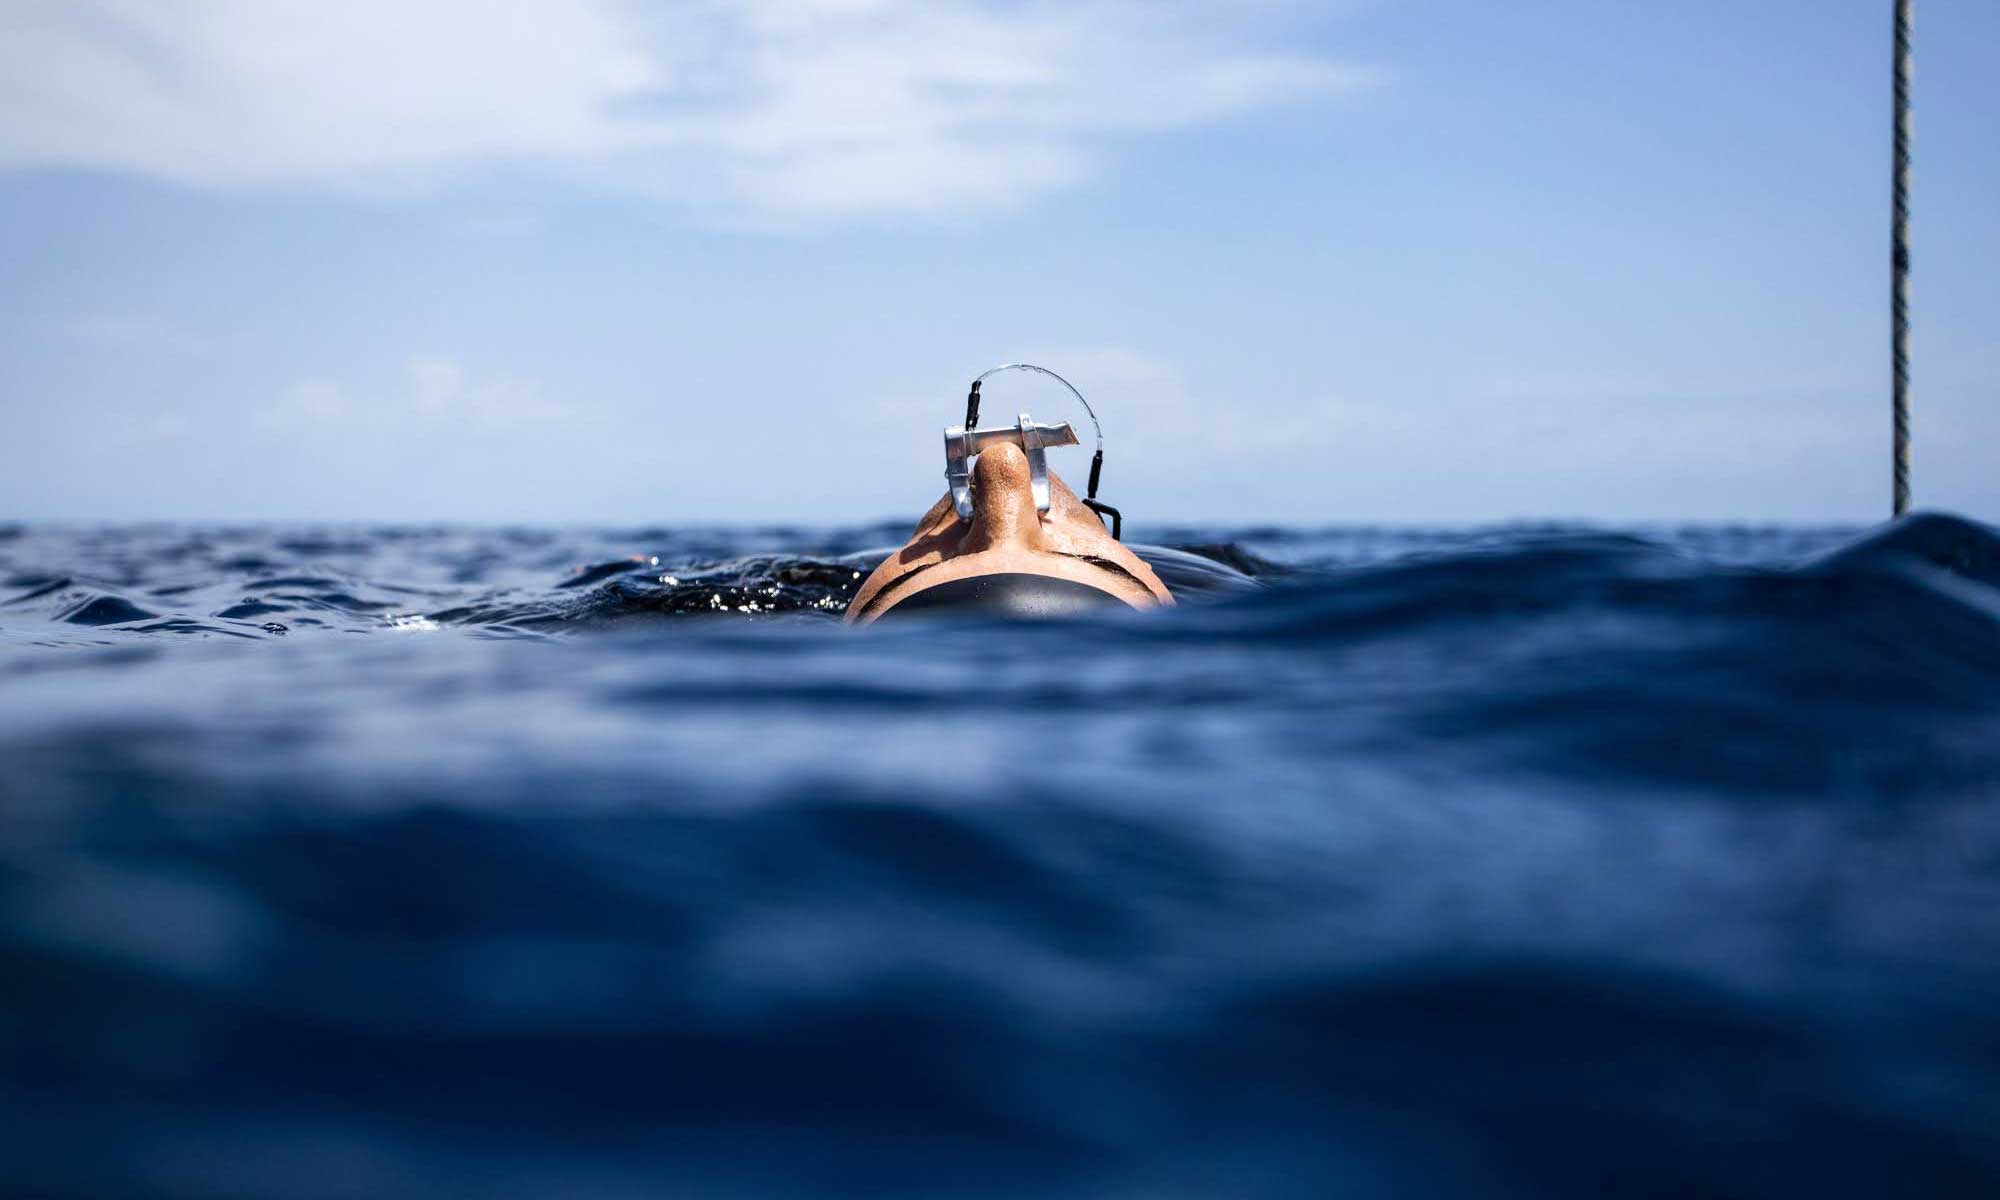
(1373, 261)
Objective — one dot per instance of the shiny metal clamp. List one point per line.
(962, 445)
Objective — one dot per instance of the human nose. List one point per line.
(1003, 502)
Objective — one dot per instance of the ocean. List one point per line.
(1515, 861)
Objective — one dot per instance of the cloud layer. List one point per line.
(801, 110)
(438, 393)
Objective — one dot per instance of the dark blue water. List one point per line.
(1517, 862)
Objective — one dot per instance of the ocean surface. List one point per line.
(1524, 861)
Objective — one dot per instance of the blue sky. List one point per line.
(1381, 261)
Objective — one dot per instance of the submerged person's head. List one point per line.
(1008, 558)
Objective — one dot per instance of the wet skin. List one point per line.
(1006, 534)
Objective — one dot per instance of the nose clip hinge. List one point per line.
(962, 444)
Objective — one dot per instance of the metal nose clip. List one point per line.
(962, 445)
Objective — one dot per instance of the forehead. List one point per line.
(1073, 544)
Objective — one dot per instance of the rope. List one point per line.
(1899, 237)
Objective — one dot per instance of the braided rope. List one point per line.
(1899, 237)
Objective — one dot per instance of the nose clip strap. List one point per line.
(962, 444)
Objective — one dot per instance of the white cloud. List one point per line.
(308, 403)
(1148, 410)
(796, 110)
(438, 393)
(1181, 444)
(441, 387)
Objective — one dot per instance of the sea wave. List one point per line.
(1522, 861)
